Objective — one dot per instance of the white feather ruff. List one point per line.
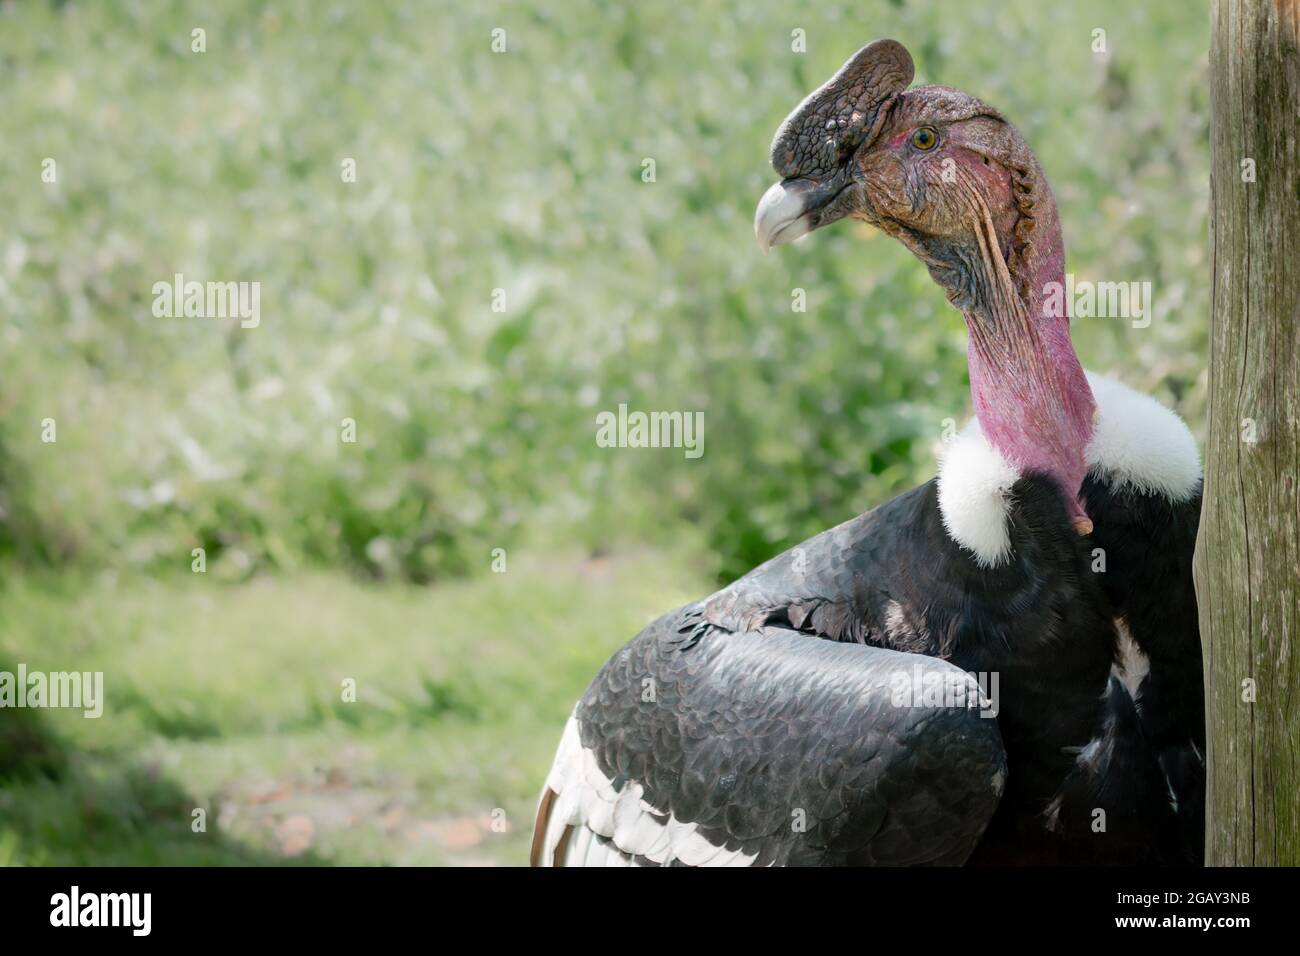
(1137, 443)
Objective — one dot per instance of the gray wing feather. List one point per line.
(695, 744)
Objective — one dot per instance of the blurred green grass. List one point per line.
(230, 699)
(519, 171)
(476, 171)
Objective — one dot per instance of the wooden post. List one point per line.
(1248, 551)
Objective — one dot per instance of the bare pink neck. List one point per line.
(1030, 392)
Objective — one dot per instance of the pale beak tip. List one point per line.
(777, 219)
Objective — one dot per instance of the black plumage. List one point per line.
(736, 713)
(1149, 541)
(789, 748)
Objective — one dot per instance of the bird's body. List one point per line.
(756, 728)
(999, 666)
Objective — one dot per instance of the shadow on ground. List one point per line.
(63, 807)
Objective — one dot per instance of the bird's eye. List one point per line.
(925, 139)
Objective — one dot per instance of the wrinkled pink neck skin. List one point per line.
(1029, 390)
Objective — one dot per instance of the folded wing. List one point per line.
(700, 746)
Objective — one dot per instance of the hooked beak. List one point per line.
(783, 213)
(795, 207)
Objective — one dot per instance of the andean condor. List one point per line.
(822, 709)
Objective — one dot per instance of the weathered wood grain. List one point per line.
(1248, 552)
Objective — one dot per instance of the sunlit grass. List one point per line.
(230, 698)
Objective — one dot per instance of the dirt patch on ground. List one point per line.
(294, 817)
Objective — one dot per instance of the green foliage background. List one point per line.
(477, 171)
(519, 171)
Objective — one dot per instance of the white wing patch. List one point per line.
(1137, 443)
(1131, 665)
(586, 801)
